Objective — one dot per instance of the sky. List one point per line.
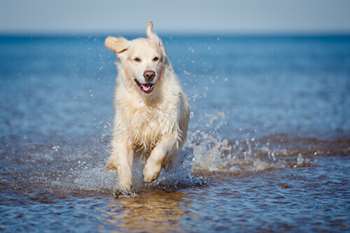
(245, 16)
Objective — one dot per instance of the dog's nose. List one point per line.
(149, 75)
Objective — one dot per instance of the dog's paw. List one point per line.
(119, 192)
(151, 171)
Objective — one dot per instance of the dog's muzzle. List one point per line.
(148, 85)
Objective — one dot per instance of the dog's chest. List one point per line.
(148, 125)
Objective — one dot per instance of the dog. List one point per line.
(152, 111)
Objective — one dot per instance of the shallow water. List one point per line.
(267, 151)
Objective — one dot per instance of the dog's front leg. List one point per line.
(166, 147)
(121, 159)
(125, 161)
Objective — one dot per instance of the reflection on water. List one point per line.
(155, 211)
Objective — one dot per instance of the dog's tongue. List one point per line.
(146, 87)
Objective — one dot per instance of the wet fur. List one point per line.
(151, 126)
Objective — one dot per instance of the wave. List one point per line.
(77, 166)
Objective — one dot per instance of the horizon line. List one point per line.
(177, 33)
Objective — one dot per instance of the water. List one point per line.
(268, 147)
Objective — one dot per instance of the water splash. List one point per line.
(213, 155)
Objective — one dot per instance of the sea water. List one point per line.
(267, 151)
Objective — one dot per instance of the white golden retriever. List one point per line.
(152, 111)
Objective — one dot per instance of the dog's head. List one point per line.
(141, 59)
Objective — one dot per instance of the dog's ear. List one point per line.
(153, 36)
(117, 45)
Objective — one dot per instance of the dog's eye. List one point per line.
(137, 59)
(155, 59)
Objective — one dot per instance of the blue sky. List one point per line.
(246, 16)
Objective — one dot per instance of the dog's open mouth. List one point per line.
(145, 87)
